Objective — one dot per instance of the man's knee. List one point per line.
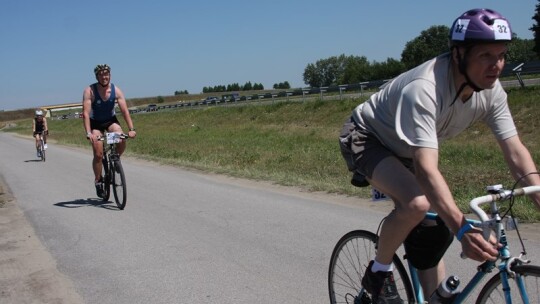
(414, 209)
(98, 155)
(419, 204)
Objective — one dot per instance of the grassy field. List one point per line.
(297, 144)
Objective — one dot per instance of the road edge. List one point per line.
(28, 272)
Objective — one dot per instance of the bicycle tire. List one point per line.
(349, 260)
(493, 292)
(42, 148)
(119, 184)
(106, 175)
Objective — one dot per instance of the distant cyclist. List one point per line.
(99, 100)
(40, 129)
(392, 142)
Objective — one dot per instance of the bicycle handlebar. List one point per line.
(501, 195)
(121, 135)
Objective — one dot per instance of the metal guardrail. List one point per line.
(519, 69)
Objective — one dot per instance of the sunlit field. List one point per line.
(296, 144)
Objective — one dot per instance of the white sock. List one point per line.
(381, 267)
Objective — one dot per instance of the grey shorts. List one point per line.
(363, 151)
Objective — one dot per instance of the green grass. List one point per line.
(296, 144)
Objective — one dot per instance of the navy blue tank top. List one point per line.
(103, 110)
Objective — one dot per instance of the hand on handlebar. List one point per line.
(475, 247)
(91, 137)
(132, 134)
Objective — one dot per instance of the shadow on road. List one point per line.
(33, 161)
(90, 202)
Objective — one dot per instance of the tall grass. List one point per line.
(297, 144)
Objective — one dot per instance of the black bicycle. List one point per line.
(113, 172)
(41, 146)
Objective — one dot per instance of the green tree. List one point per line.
(247, 87)
(536, 29)
(387, 70)
(521, 50)
(356, 69)
(233, 87)
(431, 42)
(350, 69)
(325, 72)
(282, 85)
(311, 75)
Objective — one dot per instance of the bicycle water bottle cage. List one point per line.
(113, 138)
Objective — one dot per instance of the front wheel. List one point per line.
(119, 184)
(42, 148)
(106, 176)
(348, 264)
(527, 276)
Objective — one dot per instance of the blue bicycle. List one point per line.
(516, 281)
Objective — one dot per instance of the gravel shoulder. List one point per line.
(28, 273)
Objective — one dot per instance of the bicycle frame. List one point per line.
(41, 145)
(109, 148)
(506, 260)
(113, 170)
(471, 285)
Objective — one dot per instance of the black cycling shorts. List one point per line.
(103, 126)
(426, 245)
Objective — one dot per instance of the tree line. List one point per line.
(344, 69)
(349, 69)
(430, 43)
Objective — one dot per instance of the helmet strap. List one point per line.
(461, 88)
(99, 82)
(462, 66)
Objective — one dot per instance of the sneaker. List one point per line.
(38, 154)
(99, 189)
(45, 146)
(381, 286)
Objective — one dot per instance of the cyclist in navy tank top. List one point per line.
(99, 101)
(103, 110)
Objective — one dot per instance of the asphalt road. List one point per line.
(184, 237)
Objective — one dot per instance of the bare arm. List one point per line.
(87, 107)
(435, 187)
(122, 104)
(438, 194)
(45, 127)
(520, 163)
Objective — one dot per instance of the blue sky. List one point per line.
(49, 48)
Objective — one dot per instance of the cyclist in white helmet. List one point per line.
(392, 142)
(39, 128)
(99, 101)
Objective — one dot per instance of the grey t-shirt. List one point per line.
(417, 108)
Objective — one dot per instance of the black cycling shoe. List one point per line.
(381, 286)
(99, 189)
